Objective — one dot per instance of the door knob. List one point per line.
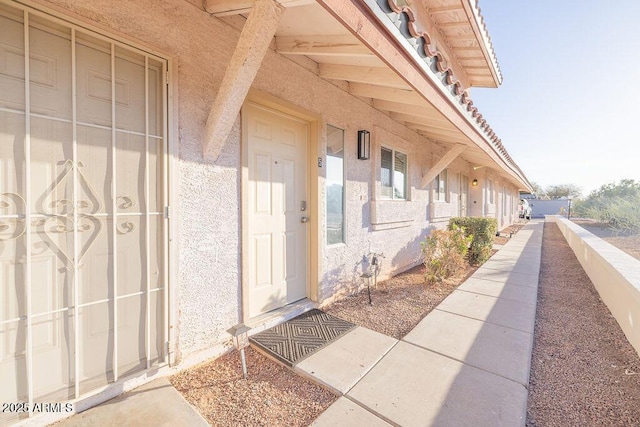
(304, 219)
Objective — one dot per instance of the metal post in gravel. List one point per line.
(240, 334)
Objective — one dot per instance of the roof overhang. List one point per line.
(372, 53)
(462, 26)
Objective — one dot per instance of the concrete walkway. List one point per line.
(465, 364)
(156, 403)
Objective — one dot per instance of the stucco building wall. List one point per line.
(207, 212)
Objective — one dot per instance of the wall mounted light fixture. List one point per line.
(474, 182)
(364, 144)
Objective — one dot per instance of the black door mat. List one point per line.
(293, 340)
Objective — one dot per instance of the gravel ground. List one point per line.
(271, 396)
(584, 371)
(402, 301)
(630, 243)
(398, 303)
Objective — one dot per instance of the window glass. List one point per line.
(386, 164)
(399, 176)
(393, 174)
(441, 186)
(335, 185)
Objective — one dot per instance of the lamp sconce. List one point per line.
(364, 144)
(474, 182)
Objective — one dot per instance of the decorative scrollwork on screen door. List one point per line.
(59, 215)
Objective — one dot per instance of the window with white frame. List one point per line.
(442, 186)
(393, 174)
(335, 185)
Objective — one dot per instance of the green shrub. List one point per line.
(444, 253)
(482, 230)
(615, 204)
(620, 214)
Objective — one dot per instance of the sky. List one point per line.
(568, 110)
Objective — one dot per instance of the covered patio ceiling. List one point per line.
(325, 37)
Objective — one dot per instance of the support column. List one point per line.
(441, 164)
(253, 44)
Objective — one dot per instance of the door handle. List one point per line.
(304, 219)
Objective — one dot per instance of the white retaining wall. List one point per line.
(614, 273)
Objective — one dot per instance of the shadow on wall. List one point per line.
(410, 254)
(366, 215)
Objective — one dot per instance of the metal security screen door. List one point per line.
(83, 294)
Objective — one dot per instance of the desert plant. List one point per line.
(444, 253)
(482, 231)
(616, 205)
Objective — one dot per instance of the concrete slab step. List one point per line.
(156, 403)
(412, 386)
(341, 364)
(497, 289)
(496, 349)
(345, 413)
(522, 279)
(508, 313)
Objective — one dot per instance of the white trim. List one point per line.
(114, 210)
(76, 247)
(27, 148)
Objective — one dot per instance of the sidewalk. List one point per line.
(156, 403)
(466, 363)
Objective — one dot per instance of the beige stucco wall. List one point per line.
(207, 207)
(614, 273)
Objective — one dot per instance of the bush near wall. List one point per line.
(444, 253)
(483, 231)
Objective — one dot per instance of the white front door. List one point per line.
(464, 195)
(277, 209)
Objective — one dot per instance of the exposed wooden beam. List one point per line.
(334, 45)
(455, 24)
(443, 9)
(253, 44)
(442, 164)
(462, 37)
(388, 94)
(412, 118)
(470, 57)
(235, 7)
(431, 131)
(371, 75)
(426, 111)
(483, 71)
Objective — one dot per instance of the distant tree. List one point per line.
(617, 205)
(538, 190)
(625, 188)
(563, 190)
